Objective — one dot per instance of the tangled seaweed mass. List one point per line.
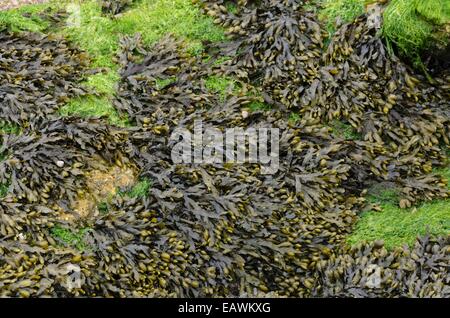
(114, 7)
(222, 229)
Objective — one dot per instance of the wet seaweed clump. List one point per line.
(354, 80)
(226, 230)
(39, 73)
(114, 7)
(371, 271)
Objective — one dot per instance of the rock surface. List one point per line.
(10, 4)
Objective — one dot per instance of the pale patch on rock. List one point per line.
(374, 12)
(10, 4)
(102, 185)
(373, 280)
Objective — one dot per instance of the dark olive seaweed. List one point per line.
(114, 7)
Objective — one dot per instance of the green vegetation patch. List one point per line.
(436, 11)
(25, 18)
(221, 85)
(99, 36)
(161, 83)
(72, 238)
(104, 83)
(103, 207)
(231, 7)
(96, 34)
(93, 106)
(411, 24)
(294, 117)
(258, 106)
(140, 189)
(3, 190)
(345, 10)
(384, 195)
(153, 20)
(343, 130)
(401, 226)
(9, 128)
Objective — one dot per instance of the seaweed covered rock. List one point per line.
(114, 7)
(355, 80)
(39, 73)
(47, 160)
(372, 271)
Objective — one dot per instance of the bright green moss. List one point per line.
(72, 238)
